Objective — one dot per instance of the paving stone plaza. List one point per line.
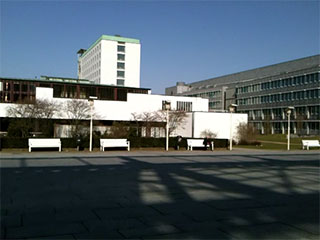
(153, 194)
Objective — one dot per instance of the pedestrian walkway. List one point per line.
(167, 195)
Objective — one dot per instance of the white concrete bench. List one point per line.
(119, 142)
(191, 143)
(44, 143)
(310, 143)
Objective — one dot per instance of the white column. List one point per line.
(167, 131)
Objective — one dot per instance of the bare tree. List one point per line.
(208, 134)
(145, 119)
(246, 133)
(28, 115)
(119, 130)
(78, 111)
(176, 118)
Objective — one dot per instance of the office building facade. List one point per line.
(265, 93)
(111, 60)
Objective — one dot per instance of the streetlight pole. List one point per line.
(289, 110)
(167, 107)
(232, 108)
(167, 131)
(91, 101)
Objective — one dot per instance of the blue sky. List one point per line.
(181, 40)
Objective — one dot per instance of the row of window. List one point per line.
(214, 104)
(206, 94)
(91, 62)
(92, 68)
(281, 83)
(14, 91)
(280, 113)
(281, 97)
(184, 106)
(296, 127)
(120, 64)
(92, 53)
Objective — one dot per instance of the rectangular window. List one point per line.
(121, 57)
(311, 78)
(294, 82)
(16, 87)
(184, 106)
(58, 90)
(71, 91)
(120, 65)
(121, 48)
(106, 93)
(84, 93)
(32, 87)
(15, 97)
(120, 82)
(121, 94)
(24, 87)
(120, 74)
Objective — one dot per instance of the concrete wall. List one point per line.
(108, 66)
(218, 123)
(132, 65)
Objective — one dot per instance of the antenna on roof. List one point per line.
(81, 51)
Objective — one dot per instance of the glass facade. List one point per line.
(13, 91)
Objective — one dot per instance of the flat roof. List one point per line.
(256, 73)
(111, 38)
(68, 81)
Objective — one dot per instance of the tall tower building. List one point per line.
(111, 60)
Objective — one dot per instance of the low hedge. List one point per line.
(10, 142)
(135, 142)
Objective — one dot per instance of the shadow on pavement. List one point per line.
(170, 196)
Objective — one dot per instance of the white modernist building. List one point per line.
(116, 103)
(111, 60)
